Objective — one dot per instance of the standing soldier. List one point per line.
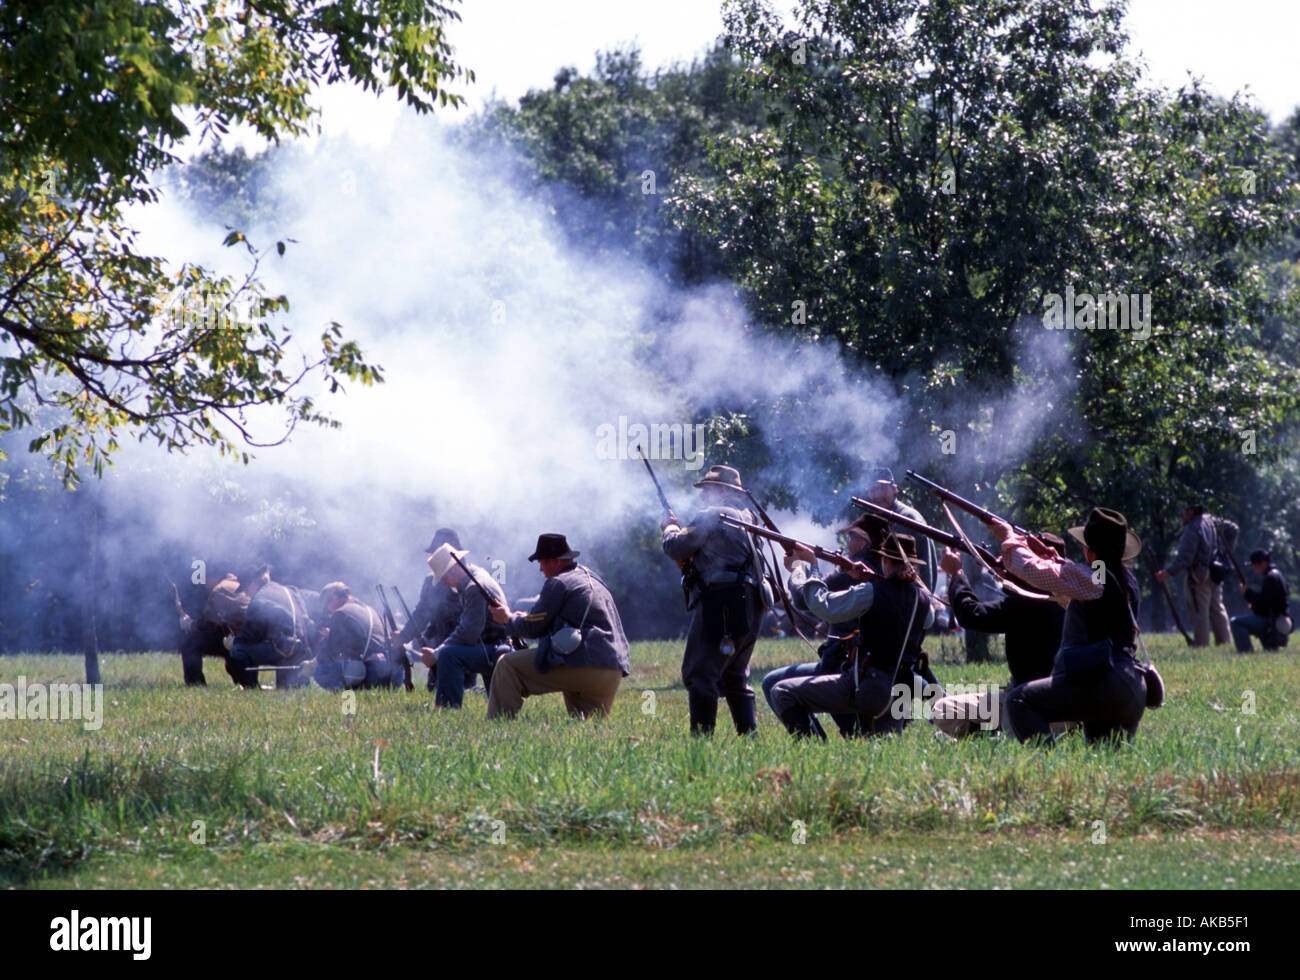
(354, 649)
(435, 613)
(213, 632)
(1197, 549)
(726, 600)
(476, 642)
(583, 651)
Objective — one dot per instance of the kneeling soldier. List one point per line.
(583, 651)
(354, 649)
(892, 610)
(475, 644)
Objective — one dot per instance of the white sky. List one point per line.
(514, 45)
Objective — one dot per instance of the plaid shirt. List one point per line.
(1062, 578)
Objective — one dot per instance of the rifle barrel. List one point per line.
(658, 489)
(834, 557)
(970, 507)
(491, 599)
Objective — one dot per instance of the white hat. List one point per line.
(440, 561)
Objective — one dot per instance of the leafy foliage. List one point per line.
(93, 97)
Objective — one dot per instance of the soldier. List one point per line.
(583, 651)
(354, 649)
(1095, 677)
(278, 629)
(1203, 537)
(213, 632)
(859, 542)
(892, 611)
(476, 642)
(726, 602)
(435, 613)
(883, 492)
(1033, 632)
(1270, 615)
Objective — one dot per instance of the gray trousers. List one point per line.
(707, 673)
(797, 699)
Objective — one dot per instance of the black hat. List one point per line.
(552, 546)
(252, 572)
(891, 549)
(1107, 532)
(1259, 554)
(875, 528)
(444, 535)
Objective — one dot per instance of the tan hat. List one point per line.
(441, 561)
(722, 476)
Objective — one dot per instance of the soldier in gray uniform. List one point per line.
(354, 650)
(725, 585)
(436, 612)
(883, 492)
(583, 651)
(1202, 537)
(476, 642)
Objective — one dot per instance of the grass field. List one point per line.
(223, 788)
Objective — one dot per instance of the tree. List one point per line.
(935, 171)
(93, 98)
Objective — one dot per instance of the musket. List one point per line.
(775, 579)
(684, 565)
(392, 626)
(837, 558)
(935, 534)
(1164, 587)
(492, 600)
(954, 541)
(668, 510)
(411, 647)
(1241, 576)
(975, 510)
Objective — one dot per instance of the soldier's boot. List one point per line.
(743, 714)
(704, 713)
(800, 723)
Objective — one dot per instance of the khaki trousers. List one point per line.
(1205, 606)
(960, 715)
(587, 690)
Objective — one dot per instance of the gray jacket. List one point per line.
(435, 614)
(475, 626)
(1197, 545)
(721, 554)
(577, 597)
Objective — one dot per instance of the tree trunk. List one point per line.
(90, 587)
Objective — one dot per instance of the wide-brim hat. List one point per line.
(553, 546)
(1104, 533)
(899, 547)
(441, 561)
(444, 535)
(722, 476)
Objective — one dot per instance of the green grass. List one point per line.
(290, 791)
